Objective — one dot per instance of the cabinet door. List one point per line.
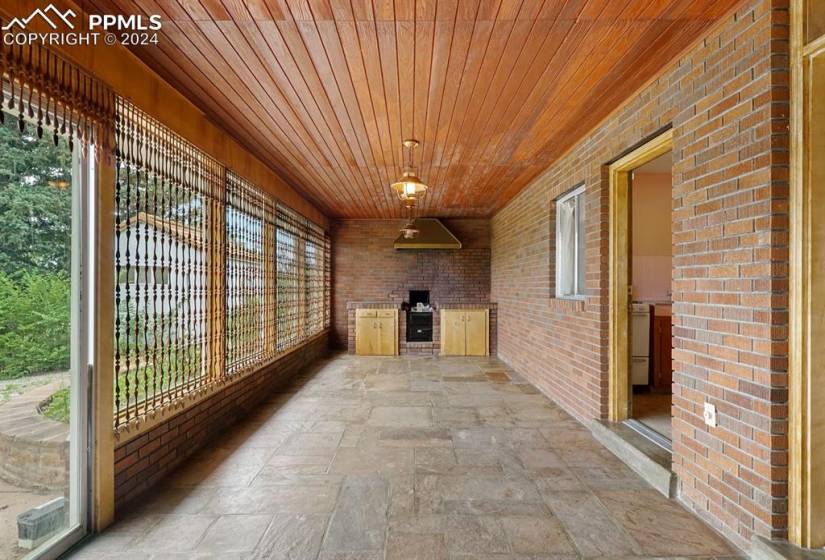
(386, 336)
(453, 333)
(662, 353)
(477, 332)
(365, 336)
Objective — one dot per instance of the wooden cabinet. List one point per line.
(662, 347)
(465, 332)
(453, 333)
(376, 332)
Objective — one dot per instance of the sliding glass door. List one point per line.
(45, 328)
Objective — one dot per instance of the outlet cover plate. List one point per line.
(710, 414)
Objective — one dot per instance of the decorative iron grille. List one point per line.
(289, 269)
(250, 275)
(327, 281)
(212, 276)
(314, 259)
(168, 212)
(53, 93)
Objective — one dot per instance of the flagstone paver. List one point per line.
(407, 458)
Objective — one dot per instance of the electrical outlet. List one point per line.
(710, 414)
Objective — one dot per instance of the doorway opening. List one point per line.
(651, 265)
(640, 268)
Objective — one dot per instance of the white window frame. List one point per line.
(82, 349)
(578, 292)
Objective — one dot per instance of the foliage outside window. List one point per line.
(570, 244)
(35, 253)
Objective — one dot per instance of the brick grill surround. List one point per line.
(142, 461)
(366, 268)
(727, 101)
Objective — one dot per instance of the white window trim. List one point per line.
(576, 295)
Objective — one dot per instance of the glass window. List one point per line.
(245, 287)
(288, 284)
(302, 259)
(44, 343)
(570, 244)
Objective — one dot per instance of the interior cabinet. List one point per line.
(465, 332)
(376, 332)
(662, 350)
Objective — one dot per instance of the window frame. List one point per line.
(578, 193)
(82, 446)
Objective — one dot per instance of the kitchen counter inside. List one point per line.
(660, 308)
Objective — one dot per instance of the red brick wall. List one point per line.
(727, 100)
(141, 462)
(367, 268)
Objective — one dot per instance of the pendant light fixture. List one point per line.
(409, 186)
(409, 231)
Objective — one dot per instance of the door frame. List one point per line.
(619, 272)
(806, 390)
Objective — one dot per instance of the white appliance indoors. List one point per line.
(640, 343)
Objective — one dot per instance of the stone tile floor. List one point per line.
(407, 458)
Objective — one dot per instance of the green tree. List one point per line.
(34, 324)
(35, 252)
(35, 202)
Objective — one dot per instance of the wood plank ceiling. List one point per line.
(495, 90)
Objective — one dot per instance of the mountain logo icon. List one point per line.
(44, 14)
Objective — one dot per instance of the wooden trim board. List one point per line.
(619, 270)
(103, 463)
(806, 378)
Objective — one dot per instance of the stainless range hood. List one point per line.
(431, 235)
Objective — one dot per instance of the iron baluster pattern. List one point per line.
(51, 92)
(214, 278)
(250, 280)
(314, 245)
(327, 281)
(302, 254)
(167, 202)
(289, 263)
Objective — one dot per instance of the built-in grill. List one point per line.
(419, 323)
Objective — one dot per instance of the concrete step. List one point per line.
(763, 549)
(647, 459)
